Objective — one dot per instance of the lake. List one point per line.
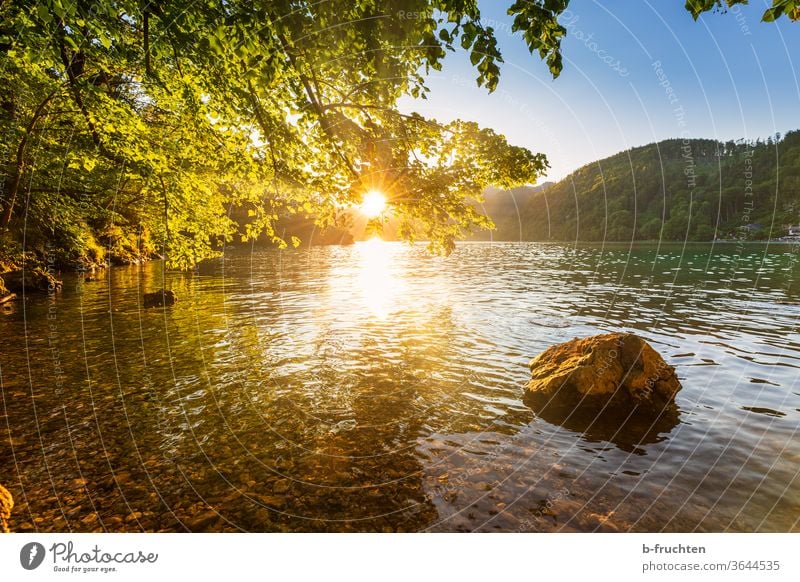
(374, 387)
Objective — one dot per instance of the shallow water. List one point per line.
(376, 388)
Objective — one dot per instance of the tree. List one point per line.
(162, 118)
(788, 8)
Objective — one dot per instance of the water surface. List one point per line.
(377, 388)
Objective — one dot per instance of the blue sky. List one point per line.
(730, 76)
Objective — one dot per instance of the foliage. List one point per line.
(169, 118)
(788, 8)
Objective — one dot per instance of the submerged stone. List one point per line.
(160, 298)
(35, 279)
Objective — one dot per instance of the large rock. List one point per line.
(615, 369)
(160, 298)
(6, 505)
(35, 279)
(611, 387)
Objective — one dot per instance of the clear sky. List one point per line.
(726, 76)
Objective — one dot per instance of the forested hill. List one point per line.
(675, 189)
(505, 205)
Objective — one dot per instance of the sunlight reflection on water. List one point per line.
(374, 387)
(379, 286)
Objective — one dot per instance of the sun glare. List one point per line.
(373, 205)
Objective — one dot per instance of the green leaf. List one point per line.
(44, 13)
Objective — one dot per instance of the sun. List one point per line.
(373, 205)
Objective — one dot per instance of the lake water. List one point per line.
(377, 388)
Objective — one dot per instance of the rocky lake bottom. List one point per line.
(376, 388)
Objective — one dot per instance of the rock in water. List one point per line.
(35, 279)
(610, 371)
(6, 505)
(159, 299)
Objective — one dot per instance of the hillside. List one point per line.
(674, 189)
(505, 206)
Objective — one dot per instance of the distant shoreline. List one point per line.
(625, 242)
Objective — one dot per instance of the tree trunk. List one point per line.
(19, 162)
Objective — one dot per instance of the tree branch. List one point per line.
(19, 165)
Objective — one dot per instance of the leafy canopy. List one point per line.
(134, 126)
